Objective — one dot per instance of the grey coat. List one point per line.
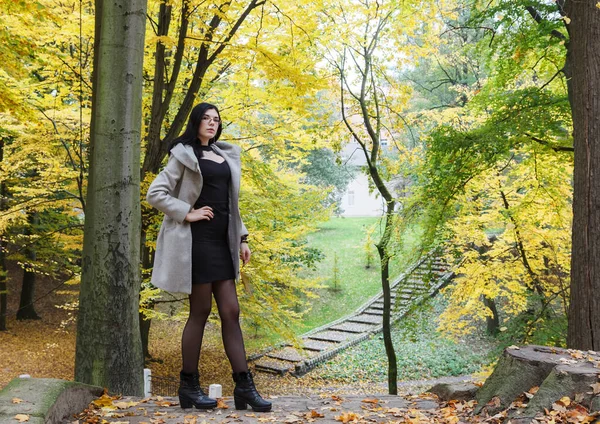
(174, 192)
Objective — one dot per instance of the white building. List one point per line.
(357, 200)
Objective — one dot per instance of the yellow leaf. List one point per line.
(346, 417)
(595, 388)
(598, 5)
(567, 20)
(313, 414)
(22, 418)
(17, 400)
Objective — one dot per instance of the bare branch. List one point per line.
(547, 143)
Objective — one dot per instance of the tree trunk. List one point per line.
(3, 285)
(583, 61)
(145, 323)
(387, 300)
(493, 322)
(3, 289)
(109, 350)
(26, 305)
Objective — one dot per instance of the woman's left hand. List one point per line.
(245, 253)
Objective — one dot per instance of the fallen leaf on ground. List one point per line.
(105, 401)
(495, 401)
(166, 403)
(221, 404)
(22, 418)
(313, 414)
(370, 400)
(346, 417)
(267, 419)
(17, 400)
(125, 405)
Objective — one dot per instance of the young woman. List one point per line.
(199, 247)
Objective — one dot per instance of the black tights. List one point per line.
(229, 311)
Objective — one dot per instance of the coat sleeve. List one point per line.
(160, 191)
(243, 230)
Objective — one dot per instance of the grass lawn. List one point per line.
(422, 352)
(342, 242)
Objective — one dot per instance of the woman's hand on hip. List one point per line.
(205, 212)
(245, 253)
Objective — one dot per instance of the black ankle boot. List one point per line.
(245, 393)
(190, 393)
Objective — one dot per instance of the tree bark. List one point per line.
(109, 351)
(3, 285)
(387, 300)
(583, 60)
(26, 305)
(493, 322)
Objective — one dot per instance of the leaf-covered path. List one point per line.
(286, 409)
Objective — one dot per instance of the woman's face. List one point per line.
(209, 124)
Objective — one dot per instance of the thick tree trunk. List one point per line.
(583, 61)
(26, 305)
(109, 350)
(387, 300)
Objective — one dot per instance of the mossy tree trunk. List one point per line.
(108, 350)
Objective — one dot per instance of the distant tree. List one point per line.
(324, 169)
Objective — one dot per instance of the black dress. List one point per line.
(211, 257)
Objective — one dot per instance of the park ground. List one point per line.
(46, 347)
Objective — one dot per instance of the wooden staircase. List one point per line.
(422, 280)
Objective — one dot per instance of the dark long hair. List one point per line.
(190, 135)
